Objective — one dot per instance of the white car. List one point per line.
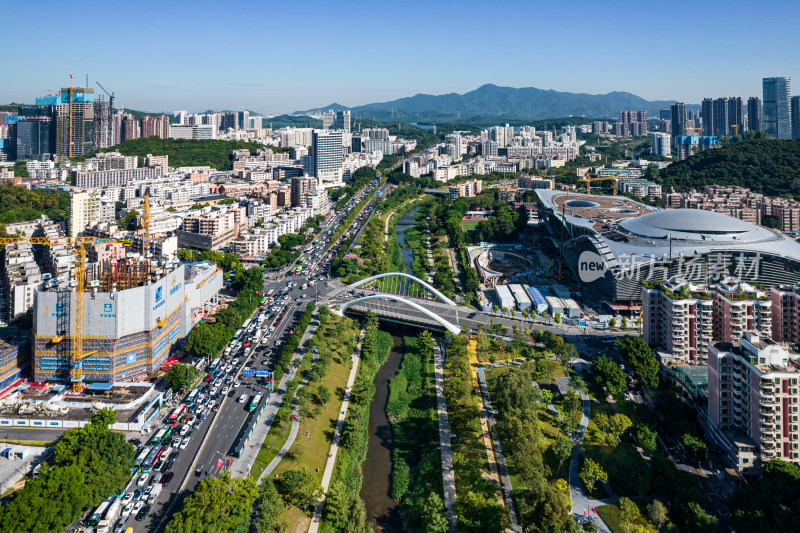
(237, 384)
(225, 390)
(176, 442)
(214, 390)
(271, 329)
(184, 430)
(128, 498)
(126, 511)
(242, 398)
(142, 480)
(137, 507)
(191, 420)
(184, 443)
(211, 404)
(229, 368)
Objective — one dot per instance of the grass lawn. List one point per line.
(42, 443)
(611, 516)
(469, 226)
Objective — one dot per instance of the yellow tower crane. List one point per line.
(79, 243)
(591, 178)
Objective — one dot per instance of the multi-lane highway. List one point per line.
(213, 439)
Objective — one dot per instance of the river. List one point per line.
(406, 222)
(376, 490)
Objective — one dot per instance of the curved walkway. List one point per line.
(295, 423)
(337, 435)
(505, 479)
(580, 499)
(446, 449)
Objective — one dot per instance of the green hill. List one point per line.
(767, 166)
(186, 152)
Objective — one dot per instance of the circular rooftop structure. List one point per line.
(694, 224)
(580, 203)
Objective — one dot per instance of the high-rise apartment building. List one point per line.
(103, 130)
(753, 392)
(155, 126)
(74, 112)
(707, 111)
(678, 118)
(754, 114)
(328, 118)
(678, 317)
(660, 144)
(786, 313)
(243, 119)
(130, 128)
(777, 117)
(33, 137)
(180, 117)
(299, 187)
(740, 307)
(341, 121)
(795, 117)
(721, 117)
(735, 116)
(327, 157)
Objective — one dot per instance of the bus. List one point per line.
(256, 401)
(190, 398)
(152, 458)
(141, 457)
(263, 302)
(97, 515)
(176, 414)
(301, 260)
(270, 293)
(160, 435)
(212, 368)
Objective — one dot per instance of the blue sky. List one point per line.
(277, 57)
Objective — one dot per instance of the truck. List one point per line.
(154, 493)
(104, 526)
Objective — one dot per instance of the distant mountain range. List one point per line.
(528, 103)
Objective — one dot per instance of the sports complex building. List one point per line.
(611, 243)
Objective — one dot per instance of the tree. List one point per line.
(299, 487)
(646, 438)
(610, 375)
(432, 514)
(601, 419)
(103, 418)
(323, 394)
(557, 318)
(639, 355)
(216, 504)
(562, 449)
(770, 503)
(567, 355)
(617, 425)
(590, 473)
(612, 323)
(697, 447)
(657, 513)
(270, 508)
(180, 376)
(628, 511)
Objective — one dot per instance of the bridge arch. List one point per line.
(452, 328)
(425, 284)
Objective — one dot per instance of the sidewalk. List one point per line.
(508, 491)
(295, 425)
(448, 475)
(241, 466)
(337, 435)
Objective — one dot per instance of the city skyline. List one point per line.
(186, 64)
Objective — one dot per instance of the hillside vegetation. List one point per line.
(770, 167)
(186, 152)
(18, 204)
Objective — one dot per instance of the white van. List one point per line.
(242, 398)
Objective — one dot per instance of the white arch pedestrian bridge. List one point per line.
(394, 312)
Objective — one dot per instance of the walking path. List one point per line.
(508, 491)
(242, 465)
(580, 498)
(337, 435)
(448, 475)
(295, 423)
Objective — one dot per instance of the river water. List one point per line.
(376, 490)
(406, 222)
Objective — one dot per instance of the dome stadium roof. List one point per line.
(693, 224)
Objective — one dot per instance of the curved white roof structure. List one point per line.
(695, 224)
